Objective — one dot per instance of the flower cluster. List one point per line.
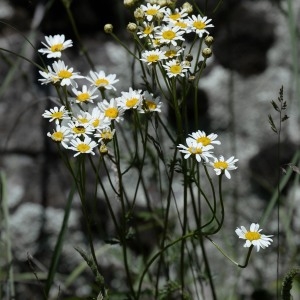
(84, 121)
(162, 29)
(200, 146)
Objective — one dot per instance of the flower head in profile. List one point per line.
(199, 24)
(171, 51)
(56, 114)
(196, 149)
(176, 68)
(147, 30)
(83, 147)
(201, 137)
(105, 135)
(55, 45)
(61, 134)
(150, 103)
(221, 165)
(253, 237)
(102, 81)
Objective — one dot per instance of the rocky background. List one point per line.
(252, 59)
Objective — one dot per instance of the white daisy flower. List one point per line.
(253, 237)
(56, 114)
(150, 103)
(169, 34)
(80, 129)
(146, 30)
(102, 81)
(111, 110)
(199, 24)
(98, 120)
(61, 73)
(171, 51)
(176, 68)
(224, 166)
(175, 15)
(197, 149)
(151, 10)
(85, 95)
(131, 99)
(61, 134)
(105, 135)
(83, 147)
(55, 45)
(48, 77)
(201, 137)
(153, 56)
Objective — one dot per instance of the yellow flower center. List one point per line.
(170, 53)
(148, 30)
(151, 11)
(176, 69)
(204, 140)
(57, 47)
(181, 24)
(64, 74)
(195, 150)
(57, 115)
(111, 112)
(83, 97)
(101, 81)
(96, 122)
(153, 58)
(83, 147)
(252, 235)
(175, 16)
(79, 129)
(221, 165)
(107, 135)
(57, 136)
(150, 104)
(199, 25)
(132, 102)
(168, 35)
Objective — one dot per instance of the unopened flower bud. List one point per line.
(103, 149)
(159, 16)
(208, 40)
(129, 3)
(206, 52)
(108, 28)
(189, 57)
(191, 78)
(132, 27)
(162, 3)
(139, 14)
(188, 7)
(201, 64)
(186, 63)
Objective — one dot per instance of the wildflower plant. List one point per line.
(125, 140)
